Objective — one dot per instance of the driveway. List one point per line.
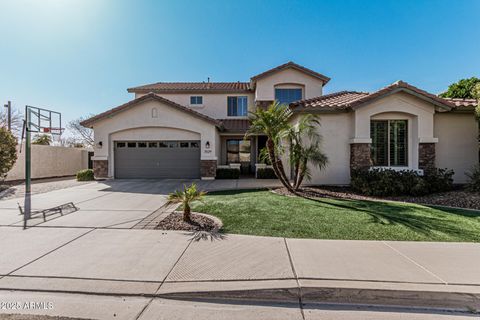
(109, 204)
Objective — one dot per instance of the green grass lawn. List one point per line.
(267, 214)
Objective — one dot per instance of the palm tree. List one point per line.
(274, 123)
(303, 152)
(186, 197)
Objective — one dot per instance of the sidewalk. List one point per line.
(165, 264)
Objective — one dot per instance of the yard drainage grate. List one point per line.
(151, 221)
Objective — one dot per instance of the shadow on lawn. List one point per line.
(390, 213)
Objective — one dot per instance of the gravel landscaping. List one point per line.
(200, 222)
(459, 198)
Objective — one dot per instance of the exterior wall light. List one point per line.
(207, 145)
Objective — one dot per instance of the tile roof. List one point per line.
(163, 87)
(459, 103)
(150, 96)
(349, 100)
(333, 101)
(235, 125)
(292, 65)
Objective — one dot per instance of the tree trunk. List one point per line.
(186, 213)
(277, 165)
(301, 176)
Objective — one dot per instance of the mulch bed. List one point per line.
(175, 222)
(457, 198)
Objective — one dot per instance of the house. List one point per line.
(188, 130)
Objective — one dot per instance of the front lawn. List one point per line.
(267, 214)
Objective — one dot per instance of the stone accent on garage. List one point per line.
(426, 155)
(360, 156)
(100, 168)
(208, 169)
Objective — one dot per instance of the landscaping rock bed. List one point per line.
(457, 198)
(200, 222)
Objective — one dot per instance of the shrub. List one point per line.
(266, 173)
(439, 180)
(8, 152)
(228, 173)
(388, 182)
(473, 175)
(85, 175)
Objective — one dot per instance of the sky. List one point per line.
(79, 56)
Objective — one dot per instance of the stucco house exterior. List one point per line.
(188, 130)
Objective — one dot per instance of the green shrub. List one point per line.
(266, 173)
(388, 182)
(473, 175)
(228, 173)
(8, 152)
(85, 175)
(439, 180)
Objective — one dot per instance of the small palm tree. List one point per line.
(274, 123)
(186, 197)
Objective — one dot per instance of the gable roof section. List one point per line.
(179, 87)
(291, 65)
(151, 96)
(337, 101)
(350, 100)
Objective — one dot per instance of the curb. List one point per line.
(371, 295)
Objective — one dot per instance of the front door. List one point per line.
(238, 151)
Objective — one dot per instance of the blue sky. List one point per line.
(80, 56)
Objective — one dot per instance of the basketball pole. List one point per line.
(28, 167)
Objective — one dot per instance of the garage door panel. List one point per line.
(157, 162)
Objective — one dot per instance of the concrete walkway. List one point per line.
(93, 257)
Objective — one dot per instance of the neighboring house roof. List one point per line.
(178, 87)
(235, 125)
(151, 96)
(291, 65)
(349, 100)
(462, 103)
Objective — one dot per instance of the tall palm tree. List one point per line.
(305, 148)
(274, 123)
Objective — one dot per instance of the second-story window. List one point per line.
(287, 96)
(196, 100)
(237, 106)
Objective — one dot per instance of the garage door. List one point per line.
(157, 159)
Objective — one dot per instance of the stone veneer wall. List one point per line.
(100, 168)
(208, 168)
(360, 156)
(426, 155)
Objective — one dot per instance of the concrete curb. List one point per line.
(372, 294)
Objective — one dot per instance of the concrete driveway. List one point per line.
(112, 203)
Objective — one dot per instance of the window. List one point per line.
(121, 144)
(238, 150)
(196, 100)
(142, 144)
(172, 144)
(194, 145)
(162, 144)
(237, 106)
(183, 144)
(152, 144)
(389, 142)
(288, 96)
(132, 144)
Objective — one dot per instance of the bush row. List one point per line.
(388, 182)
(266, 173)
(227, 173)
